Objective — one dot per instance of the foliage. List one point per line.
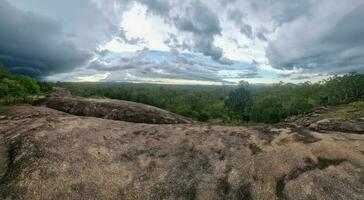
(276, 102)
(204, 103)
(30, 85)
(344, 89)
(239, 103)
(16, 89)
(358, 104)
(232, 104)
(268, 109)
(45, 87)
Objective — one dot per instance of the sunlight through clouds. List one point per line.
(200, 40)
(92, 78)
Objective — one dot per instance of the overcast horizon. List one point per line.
(189, 42)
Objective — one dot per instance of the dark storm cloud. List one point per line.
(336, 45)
(204, 24)
(51, 42)
(35, 45)
(199, 19)
(43, 37)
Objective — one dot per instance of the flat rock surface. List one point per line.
(47, 154)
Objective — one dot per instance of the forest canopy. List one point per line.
(233, 104)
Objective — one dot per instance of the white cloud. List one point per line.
(92, 78)
(115, 40)
(116, 45)
(138, 24)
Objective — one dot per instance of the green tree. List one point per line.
(31, 87)
(298, 105)
(16, 89)
(268, 109)
(239, 103)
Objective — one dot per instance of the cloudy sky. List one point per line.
(182, 42)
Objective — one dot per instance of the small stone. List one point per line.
(324, 121)
(52, 125)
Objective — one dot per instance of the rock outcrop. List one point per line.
(47, 154)
(113, 109)
(345, 118)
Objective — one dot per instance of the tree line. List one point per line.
(233, 104)
(272, 104)
(217, 104)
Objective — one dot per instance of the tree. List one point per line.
(268, 109)
(298, 105)
(30, 85)
(203, 117)
(14, 89)
(239, 103)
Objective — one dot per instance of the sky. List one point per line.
(182, 42)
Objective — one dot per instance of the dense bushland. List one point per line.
(271, 104)
(233, 104)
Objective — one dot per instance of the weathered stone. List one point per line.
(113, 109)
(92, 158)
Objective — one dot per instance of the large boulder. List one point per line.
(342, 125)
(47, 154)
(113, 109)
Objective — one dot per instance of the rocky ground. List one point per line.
(345, 118)
(49, 154)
